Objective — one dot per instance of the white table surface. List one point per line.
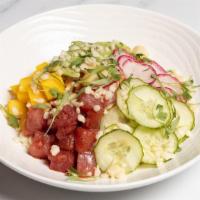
(185, 186)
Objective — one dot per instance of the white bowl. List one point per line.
(41, 37)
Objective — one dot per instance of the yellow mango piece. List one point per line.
(41, 66)
(14, 89)
(16, 107)
(52, 83)
(36, 97)
(55, 75)
(22, 96)
(24, 84)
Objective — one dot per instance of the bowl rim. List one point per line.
(78, 186)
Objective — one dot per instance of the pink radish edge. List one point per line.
(177, 88)
(158, 68)
(132, 59)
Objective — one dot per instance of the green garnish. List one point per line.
(55, 93)
(185, 137)
(161, 115)
(178, 149)
(41, 106)
(114, 73)
(72, 175)
(70, 72)
(77, 61)
(66, 99)
(142, 57)
(171, 129)
(11, 119)
(48, 68)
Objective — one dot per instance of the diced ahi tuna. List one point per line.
(35, 120)
(68, 142)
(85, 139)
(41, 144)
(66, 119)
(62, 162)
(93, 119)
(89, 101)
(86, 164)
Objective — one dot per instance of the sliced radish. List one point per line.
(168, 81)
(123, 58)
(138, 70)
(159, 69)
(120, 52)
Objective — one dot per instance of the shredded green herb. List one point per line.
(161, 115)
(77, 61)
(66, 98)
(178, 149)
(55, 93)
(183, 139)
(114, 73)
(41, 106)
(171, 129)
(142, 57)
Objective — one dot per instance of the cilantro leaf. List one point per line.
(171, 129)
(55, 93)
(77, 62)
(11, 119)
(142, 57)
(64, 100)
(161, 115)
(183, 139)
(114, 73)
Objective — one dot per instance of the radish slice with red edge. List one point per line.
(123, 58)
(166, 80)
(159, 69)
(133, 68)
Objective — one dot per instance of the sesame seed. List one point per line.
(81, 118)
(78, 110)
(28, 105)
(96, 108)
(105, 112)
(88, 90)
(55, 149)
(97, 171)
(46, 115)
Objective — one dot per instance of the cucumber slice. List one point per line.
(121, 126)
(113, 116)
(132, 123)
(148, 107)
(123, 91)
(157, 147)
(186, 119)
(118, 149)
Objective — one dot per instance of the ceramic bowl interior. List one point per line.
(41, 37)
